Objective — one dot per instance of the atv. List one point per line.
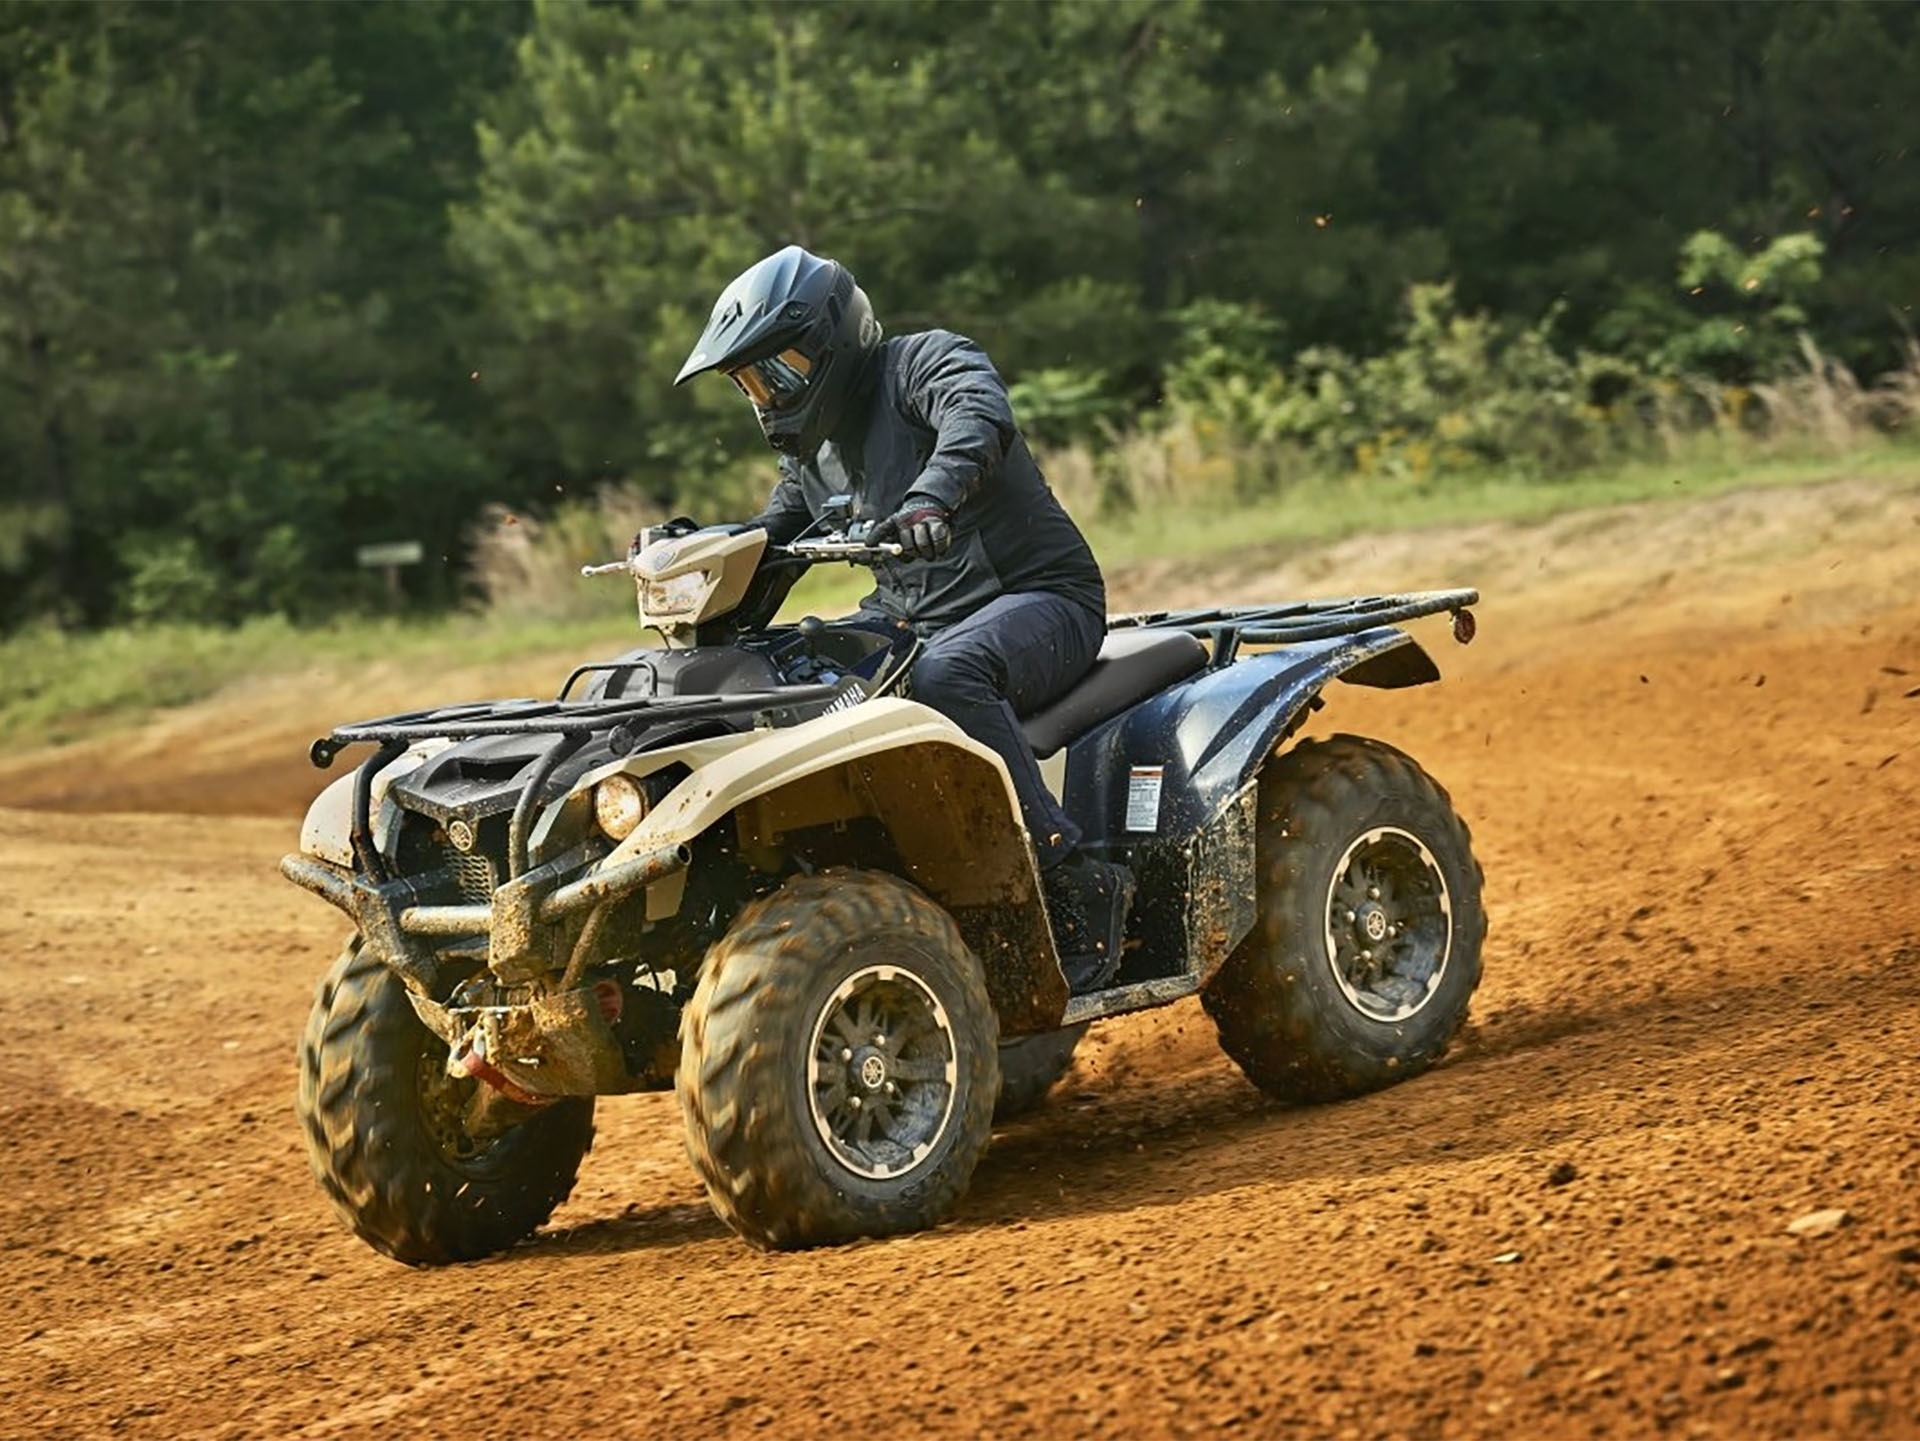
(746, 865)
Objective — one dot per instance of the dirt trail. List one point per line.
(1688, 743)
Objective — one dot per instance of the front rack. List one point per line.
(570, 724)
(554, 717)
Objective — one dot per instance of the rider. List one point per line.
(994, 577)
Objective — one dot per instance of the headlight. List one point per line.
(679, 596)
(619, 805)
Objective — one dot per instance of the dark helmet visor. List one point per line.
(778, 382)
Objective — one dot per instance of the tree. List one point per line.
(652, 154)
(225, 246)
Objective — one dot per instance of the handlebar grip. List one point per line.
(854, 550)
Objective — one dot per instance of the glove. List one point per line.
(922, 525)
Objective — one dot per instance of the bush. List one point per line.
(168, 579)
(1466, 394)
(1059, 405)
(1457, 393)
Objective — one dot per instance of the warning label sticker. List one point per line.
(1143, 797)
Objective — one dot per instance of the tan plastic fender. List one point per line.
(945, 799)
(327, 831)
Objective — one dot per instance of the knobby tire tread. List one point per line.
(357, 1102)
(1272, 1000)
(741, 1137)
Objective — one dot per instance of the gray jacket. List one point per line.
(931, 418)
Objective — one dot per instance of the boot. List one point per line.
(1087, 903)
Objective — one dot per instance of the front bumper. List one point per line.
(526, 924)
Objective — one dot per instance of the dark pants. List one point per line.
(1011, 658)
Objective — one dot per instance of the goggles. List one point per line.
(776, 383)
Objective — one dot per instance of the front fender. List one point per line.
(947, 804)
(326, 833)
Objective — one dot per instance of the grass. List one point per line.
(57, 687)
(1322, 512)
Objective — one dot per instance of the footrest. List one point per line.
(1138, 996)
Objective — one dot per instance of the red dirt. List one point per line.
(1688, 742)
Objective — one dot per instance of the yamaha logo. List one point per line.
(847, 699)
(461, 834)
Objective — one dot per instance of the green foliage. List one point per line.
(1457, 393)
(1763, 302)
(1468, 394)
(279, 280)
(1057, 404)
(168, 579)
(1735, 317)
(222, 225)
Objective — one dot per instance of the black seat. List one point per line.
(1131, 666)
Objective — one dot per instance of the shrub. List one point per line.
(168, 579)
(1468, 394)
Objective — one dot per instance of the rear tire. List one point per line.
(1031, 1065)
(1366, 952)
(384, 1135)
(838, 1064)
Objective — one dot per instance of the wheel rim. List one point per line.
(884, 1072)
(446, 1105)
(1389, 929)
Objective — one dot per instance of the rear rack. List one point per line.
(1230, 627)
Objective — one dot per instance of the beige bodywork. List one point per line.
(326, 833)
(945, 800)
(724, 564)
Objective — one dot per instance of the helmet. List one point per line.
(794, 333)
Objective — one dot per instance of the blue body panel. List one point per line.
(1208, 735)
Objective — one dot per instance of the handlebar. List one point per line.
(836, 547)
(827, 547)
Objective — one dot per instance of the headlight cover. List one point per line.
(680, 595)
(619, 805)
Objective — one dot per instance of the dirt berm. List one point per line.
(1688, 743)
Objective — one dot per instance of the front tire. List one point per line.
(385, 1138)
(838, 1064)
(1366, 952)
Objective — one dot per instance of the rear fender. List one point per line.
(1202, 741)
(1169, 787)
(945, 801)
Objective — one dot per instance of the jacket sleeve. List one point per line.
(785, 514)
(949, 386)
